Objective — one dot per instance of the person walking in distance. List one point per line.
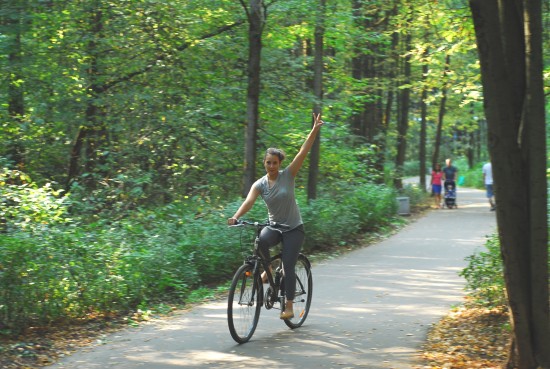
(450, 171)
(277, 190)
(437, 174)
(487, 171)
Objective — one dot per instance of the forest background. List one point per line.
(126, 127)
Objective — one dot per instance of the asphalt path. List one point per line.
(372, 308)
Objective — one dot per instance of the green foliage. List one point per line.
(25, 206)
(473, 178)
(156, 92)
(336, 219)
(416, 195)
(484, 275)
(54, 267)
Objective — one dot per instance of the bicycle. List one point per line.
(246, 294)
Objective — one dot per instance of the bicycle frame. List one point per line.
(255, 260)
(246, 294)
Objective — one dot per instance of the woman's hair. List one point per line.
(437, 166)
(273, 151)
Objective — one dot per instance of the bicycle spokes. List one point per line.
(244, 304)
(304, 289)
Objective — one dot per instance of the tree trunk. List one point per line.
(403, 120)
(442, 104)
(358, 117)
(14, 18)
(422, 143)
(256, 23)
(509, 39)
(318, 92)
(91, 141)
(388, 108)
(470, 151)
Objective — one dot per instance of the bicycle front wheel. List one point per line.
(244, 304)
(304, 290)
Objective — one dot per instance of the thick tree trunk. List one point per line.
(256, 24)
(318, 92)
(510, 50)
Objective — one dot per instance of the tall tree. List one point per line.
(13, 19)
(256, 20)
(318, 92)
(91, 140)
(509, 39)
(403, 113)
(423, 123)
(442, 109)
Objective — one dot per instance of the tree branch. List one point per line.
(152, 63)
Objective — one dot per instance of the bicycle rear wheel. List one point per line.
(304, 290)
(244, 303)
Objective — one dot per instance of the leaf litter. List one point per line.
(469, 337)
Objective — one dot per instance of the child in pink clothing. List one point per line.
(437, 174)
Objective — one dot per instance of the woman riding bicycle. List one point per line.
(277, 190)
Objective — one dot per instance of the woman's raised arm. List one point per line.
(296, 164)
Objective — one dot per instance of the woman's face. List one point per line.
(272, 164)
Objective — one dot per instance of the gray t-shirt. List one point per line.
(280, 200)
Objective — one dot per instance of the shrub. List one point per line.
(484, 275)
(54, 266)
(338, 218)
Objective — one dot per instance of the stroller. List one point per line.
(450, 194)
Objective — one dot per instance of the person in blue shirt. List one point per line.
(450, 171)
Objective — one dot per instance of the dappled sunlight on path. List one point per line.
(371, 308)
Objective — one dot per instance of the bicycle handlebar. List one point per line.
(260, 225)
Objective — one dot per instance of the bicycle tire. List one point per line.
(244, 303)
(304, 292)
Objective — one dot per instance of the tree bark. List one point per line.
(318, 92)
(403, 120)
(14, 20)
(91, 140)
(441, 115)
(358, 117)
(423, 118)
(256, 21)
(509, 39)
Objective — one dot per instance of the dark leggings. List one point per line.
(292, 243)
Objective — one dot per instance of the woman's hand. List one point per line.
(296, 164)
(231, 221)
(317, 122)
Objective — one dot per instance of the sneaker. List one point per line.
(287, 314)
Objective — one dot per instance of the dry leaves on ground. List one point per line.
(468, 338)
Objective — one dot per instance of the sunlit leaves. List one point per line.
(469, 337)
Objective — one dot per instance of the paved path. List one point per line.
(371, 308)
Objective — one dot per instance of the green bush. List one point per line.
(416, 195)
(484, 275)
(55, 266)
(473, 178)
(335, 219)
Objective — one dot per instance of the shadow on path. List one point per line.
(372, 308)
